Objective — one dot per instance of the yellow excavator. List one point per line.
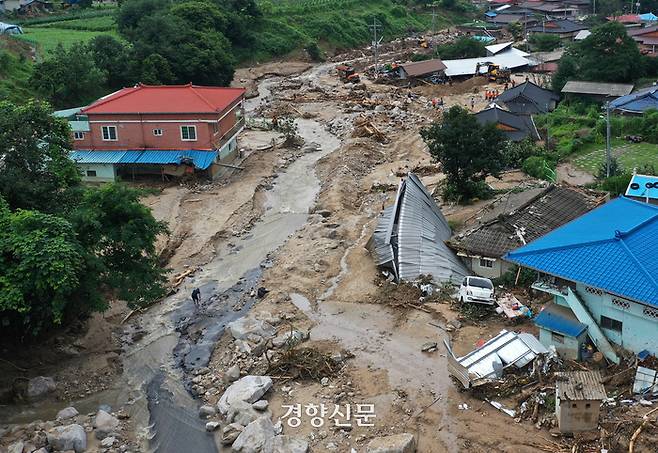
(494, 72)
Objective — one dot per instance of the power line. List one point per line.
(375, 27)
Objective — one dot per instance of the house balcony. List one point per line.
(551, 288)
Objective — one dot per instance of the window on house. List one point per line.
(109, 133)
(188, 133)
(157, 132)
(557, 338)
(91, 172)
(588, 405)
(486, 263)
(78, 135)
(612, 324)
(574, 405)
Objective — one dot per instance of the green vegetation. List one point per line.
(628, 155)
(15, 70)
(46, 39)
(65, 250)
(544, 42)
(464, 47)
(468, 153)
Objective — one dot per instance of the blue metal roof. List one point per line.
(613, 247)
(201, 159)
(643, 186)
(649, 17)
(555, 321)
(97, 157)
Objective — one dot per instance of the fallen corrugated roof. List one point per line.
(488, 361)
(497, 48)
(512, 58)
(597, 88)
(421, 68)
(409, 237)
(579, 385)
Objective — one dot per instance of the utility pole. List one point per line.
(375, 27)
(607, 139)
(433, 19)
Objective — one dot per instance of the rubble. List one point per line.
(71, 437)
(40, 386)
(398, 443)
(285, 444)
(248, 389)
(304, 363)
(66, 413)
(254, 436)
(105, 424)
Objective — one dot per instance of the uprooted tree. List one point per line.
(64, 249)
(468, 153)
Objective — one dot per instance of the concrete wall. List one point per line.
(104, 172)
(575, 416)
(639, 326)
(569, 348)
(499, 267)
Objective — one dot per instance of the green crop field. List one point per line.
(628, 155)
(46, 39)
(100, 23)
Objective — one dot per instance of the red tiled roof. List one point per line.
(167, 99)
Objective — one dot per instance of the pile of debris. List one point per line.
(363, 127)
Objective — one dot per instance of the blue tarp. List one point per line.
(201, 159)
(613, 248)
(648, 17)
(484, 39)
(637, 102)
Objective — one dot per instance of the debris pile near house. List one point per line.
(304, 363)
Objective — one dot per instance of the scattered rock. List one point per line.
(66, 413)
(398, 443)
(242, 327)
(108, 441)
(105, 424)
(207, 411)
(41, 450)
(285, 444)
(40, 386)
(253, 437)
(212, 426)
(242, 413)
(249, 389)
(232, 374)
(231, 432)
(105, 407)
(260, 405)
(40, 439)
(71, 437)
(430, 346)
(324, 381)
(16, 447)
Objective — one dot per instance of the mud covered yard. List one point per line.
(289, 291)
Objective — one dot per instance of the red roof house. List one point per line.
(163, 117)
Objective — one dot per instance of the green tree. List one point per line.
(69, 78)
(607, 55)
(113, 58)
(464, 47)
(120, 233)
(37, 173)
(544, 42)
(467, 151)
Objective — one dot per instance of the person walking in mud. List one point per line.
(196, 297)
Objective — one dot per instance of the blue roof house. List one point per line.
(637, 103)
(602, 267)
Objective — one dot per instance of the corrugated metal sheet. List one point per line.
(512, 58)
(201, 159)
(646, 381)
(579, 385)
(410, 235)
(488, 362)
(97, 157)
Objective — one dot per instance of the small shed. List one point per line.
(597, 90)
(578, 396)
(559, 327)
(421, 69)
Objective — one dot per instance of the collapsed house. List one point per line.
(482, 248)
(515, 127)
(409, 238)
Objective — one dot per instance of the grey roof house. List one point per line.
(515, 127)
(529, 99)
(483, 247)
(421, 69)
(597, 90)
(565, 28)
(409, 237)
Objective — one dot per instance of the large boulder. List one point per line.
(16, 447)
(66, 413)
(71, 437)
(40, 386)
(231, 432)
(397, 443)
(105, 424)
(242, 328)
(254, 436)
(243, 413)
(285, 444)
(248, 389)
